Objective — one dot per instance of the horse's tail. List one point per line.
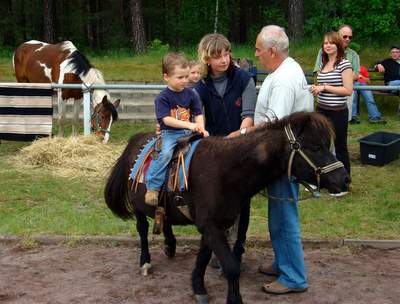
(116, 191)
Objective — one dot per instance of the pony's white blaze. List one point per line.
(46, 70)
(107, 134)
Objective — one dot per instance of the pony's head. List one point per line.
(104, 114)
(310, 139)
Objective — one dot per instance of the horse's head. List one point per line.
(310, 138)
(104, 114)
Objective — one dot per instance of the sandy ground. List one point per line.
(109, 274)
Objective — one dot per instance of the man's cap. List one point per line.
(395, 47)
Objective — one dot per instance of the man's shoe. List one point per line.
(268, 270)
(377, 120)
(278, 288)
(354, 120)
(151, 197)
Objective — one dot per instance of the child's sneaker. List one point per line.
(151, 197)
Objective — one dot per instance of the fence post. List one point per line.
(86, 111)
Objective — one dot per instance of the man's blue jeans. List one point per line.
(158, 168)
(394, 83)
(369, 100)
(284, 230)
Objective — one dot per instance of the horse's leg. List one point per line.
(142, 226)
(244, 217)
(216, 238)
(61, 113)
(169, 241)
(75, 120)
(203, 257)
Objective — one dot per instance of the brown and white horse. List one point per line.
(39, 62)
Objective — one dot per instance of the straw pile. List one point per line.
(70, 156)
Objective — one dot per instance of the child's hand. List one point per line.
(193, 127)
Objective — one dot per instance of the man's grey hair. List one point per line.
(275, 36)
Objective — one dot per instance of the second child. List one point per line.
(174, 106)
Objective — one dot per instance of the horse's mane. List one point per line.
(110, 107)
(320, 126)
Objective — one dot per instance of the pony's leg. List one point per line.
(75, 120)
(142, 226)
(202, 260)
(243, 225)
(216, 238)
(169, 241)
(61, 113)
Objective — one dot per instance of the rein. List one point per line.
(296, 148)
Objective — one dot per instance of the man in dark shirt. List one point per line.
(391, 67)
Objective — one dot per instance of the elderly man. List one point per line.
(346, 31)
(283, 92)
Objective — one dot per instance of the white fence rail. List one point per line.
(87, 89)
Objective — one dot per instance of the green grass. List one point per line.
(37, 202)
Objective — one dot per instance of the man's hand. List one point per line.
(380, 68)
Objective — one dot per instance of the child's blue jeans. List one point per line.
(158, 168)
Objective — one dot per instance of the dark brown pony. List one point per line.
(39, 62)
(223, 174)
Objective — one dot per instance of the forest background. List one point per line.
(136, 25)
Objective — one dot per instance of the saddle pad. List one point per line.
(138, 162)
(144, 159)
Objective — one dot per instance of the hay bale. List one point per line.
(70, 156)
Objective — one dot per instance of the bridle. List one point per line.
(296, 148)
(97, 117)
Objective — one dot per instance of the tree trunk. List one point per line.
(48, 21)
(296, 18)
(139, 40)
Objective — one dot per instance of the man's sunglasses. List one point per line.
(347, 36)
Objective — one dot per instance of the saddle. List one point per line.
(176, 180)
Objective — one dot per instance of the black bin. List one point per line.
(379, 148)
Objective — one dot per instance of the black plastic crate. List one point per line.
(379, 148)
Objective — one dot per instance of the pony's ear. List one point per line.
(104, 101)
(301, 123)
(116, 103)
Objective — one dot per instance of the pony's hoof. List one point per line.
(201, 298)
(146, 269)
(169, 251)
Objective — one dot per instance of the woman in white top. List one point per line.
(335, 83)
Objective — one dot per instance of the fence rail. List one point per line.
(87, 89)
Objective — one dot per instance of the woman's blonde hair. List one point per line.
(212, 45)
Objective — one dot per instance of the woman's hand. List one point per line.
(316, 89)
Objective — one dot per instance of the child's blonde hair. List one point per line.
(193, 63)
(172, 60)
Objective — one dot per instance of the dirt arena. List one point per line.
(109, 274)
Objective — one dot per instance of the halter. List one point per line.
(296, 148)
(96, 115)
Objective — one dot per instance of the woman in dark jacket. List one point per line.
(229, 97)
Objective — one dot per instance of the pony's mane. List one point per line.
(320, 125)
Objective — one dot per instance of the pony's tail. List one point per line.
(116, 191)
